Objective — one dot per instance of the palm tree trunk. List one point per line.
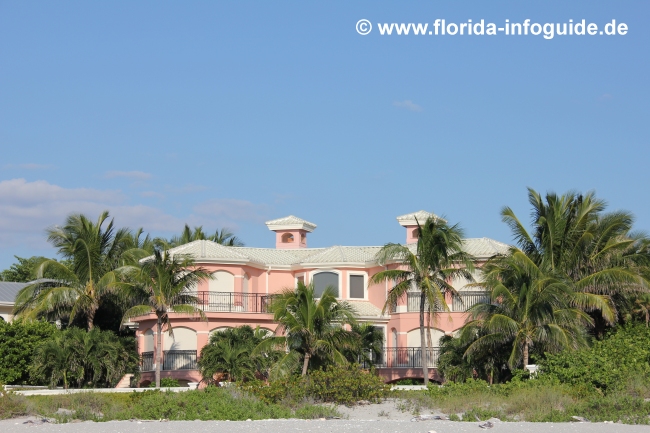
(158, 351)
(90, 320)
(423, 342)
(525, 354)
(305, 364)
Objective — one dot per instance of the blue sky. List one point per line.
(232, 113)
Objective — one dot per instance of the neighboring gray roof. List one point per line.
(8, 291)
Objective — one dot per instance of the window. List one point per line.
(300, 280)
(415, 233)
(323, 280)
(287, 238)
(357, 289)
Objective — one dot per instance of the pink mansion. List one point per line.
(245, 277)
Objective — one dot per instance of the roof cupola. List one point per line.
(411, 220)
(290, 232)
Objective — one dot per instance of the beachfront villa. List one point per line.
(245, 277)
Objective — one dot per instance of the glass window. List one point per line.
(323, 280)
(356, 287)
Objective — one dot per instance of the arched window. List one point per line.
(287, 238)
(395, 338)
(183, 339)
(415, 233)
(148, 341)
(323, 280)
(303, 238)
(222, 281)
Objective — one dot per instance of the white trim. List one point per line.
(364, 274)
(298, 275)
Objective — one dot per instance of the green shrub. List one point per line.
(166, 382)
(346, 385)
(17, 343)
(342, 385)
(606, 367)
(11, 405)
(291, 390)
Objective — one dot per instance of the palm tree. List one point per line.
(93, 250)
(527, 309)
(223, 237)
(308, 327)
(159, 285)
(368, 343)
(595, 252)
(227, 238)
(438, 259)
(94, 357)
(229, 352)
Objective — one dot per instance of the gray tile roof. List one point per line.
(482, 248)
(365, 308)
(8, 291)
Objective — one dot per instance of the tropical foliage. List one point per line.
(223, 237)
(92, 358)
(578, 272)
(24, 270)
(428, 270)
(160, 285)
(94, 250)
(228, 355)
(17, 344)
(310, 329)
(608, 365)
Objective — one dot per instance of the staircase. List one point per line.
(125, 382)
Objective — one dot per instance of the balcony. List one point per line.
(458, 304)
(172, 360)
(228, 302)
(404, 357)
(394, 357)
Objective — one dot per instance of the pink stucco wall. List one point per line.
(263, 281)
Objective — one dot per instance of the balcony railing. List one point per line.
(404, 357)
(462, 303)
(392, 357)
(172, 360)
(228, 302)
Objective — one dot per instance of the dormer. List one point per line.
(411, 220)
(290, 232)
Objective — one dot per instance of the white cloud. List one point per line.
(408, 105)
(135, 175)
(151, 194)
(230, 211)
(28, 208)
(28, 166)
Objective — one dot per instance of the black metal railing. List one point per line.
(172, 360)
(146, 361)
(404, 357)
(413, 303)
(228, 302)
(469, 299)
(460, 303)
